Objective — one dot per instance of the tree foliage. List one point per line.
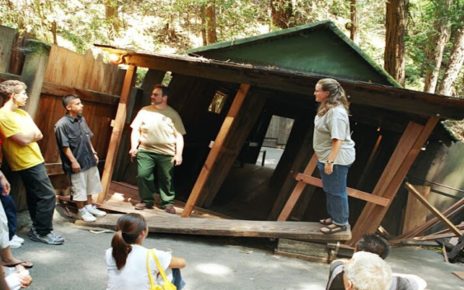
(177, 25)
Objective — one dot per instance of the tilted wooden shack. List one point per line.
(228, 92)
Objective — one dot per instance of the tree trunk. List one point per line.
(203, 24)
(111, 14)
(437, 45)
(454, 65)
(210, 20)
(394, 40)
(281, 13)
(354, 21)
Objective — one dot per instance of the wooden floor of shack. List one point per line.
(123, 196)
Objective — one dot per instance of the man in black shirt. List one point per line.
(79, 158)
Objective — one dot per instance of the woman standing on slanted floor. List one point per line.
(334, 150)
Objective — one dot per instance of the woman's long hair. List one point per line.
(128, 227)
(336, 96)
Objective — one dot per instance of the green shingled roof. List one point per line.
(317, 48)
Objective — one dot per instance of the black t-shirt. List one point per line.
(75, 133)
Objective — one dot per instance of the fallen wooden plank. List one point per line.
(307, 231)
(353, 192)
(459, 274)
(437, 213)
(315, 252)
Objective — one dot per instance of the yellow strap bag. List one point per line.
(167, 285)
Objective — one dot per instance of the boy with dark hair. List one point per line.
(79, 158)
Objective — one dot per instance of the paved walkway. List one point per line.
(212, 263)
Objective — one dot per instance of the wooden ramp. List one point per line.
(227, 227)
(204, 222)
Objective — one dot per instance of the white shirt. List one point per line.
(134, 274)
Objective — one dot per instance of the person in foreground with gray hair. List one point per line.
(367, 271)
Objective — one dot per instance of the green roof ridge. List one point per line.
(327, 23)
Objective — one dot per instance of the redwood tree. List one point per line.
(454, 64)
(435, 48)
(281, 13)
(394, 40)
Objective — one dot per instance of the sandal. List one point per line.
(333, 228)
(25, 264)
(326, 222)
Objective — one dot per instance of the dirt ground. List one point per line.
(212, 262)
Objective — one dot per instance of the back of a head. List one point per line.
(367, 271)
(373, 243)
(10, 87)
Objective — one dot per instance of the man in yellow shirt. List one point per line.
(20, 135)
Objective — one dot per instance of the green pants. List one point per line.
(155, 175)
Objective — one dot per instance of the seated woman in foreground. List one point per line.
(126, 260)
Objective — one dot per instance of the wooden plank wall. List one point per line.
(94, 81)
(97, 113)
(69, 68)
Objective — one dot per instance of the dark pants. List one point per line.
(155, 175)
(40, 197)
(10, 210)
(177, 279)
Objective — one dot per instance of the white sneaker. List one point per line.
(14, 244)
(86, 216)
(91, 208)
(17, 239)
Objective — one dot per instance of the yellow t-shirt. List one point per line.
(158, 129)
(19, 157)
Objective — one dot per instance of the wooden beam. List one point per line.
(369, 197)
(296, 193)
(437, 213)
(215, 151)
(394, 173)
(301, 160)
(227, 227)
(455, 208)
(117, 132)
(368, 94)
(86, 95)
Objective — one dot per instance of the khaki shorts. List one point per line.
(85, 183)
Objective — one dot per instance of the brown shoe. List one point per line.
(170, 209)
(142, 206)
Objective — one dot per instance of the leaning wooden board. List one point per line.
(175, 224)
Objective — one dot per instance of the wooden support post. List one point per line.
(33, 72)
(213, 155)
(125, 170)
(296, 193)
(438, 214)
(6, 46)
(116, 134)
(393, 175)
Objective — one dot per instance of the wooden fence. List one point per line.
(56, 72)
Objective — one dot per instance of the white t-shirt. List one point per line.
(158, 129)
(333, 125)
(134, 274)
